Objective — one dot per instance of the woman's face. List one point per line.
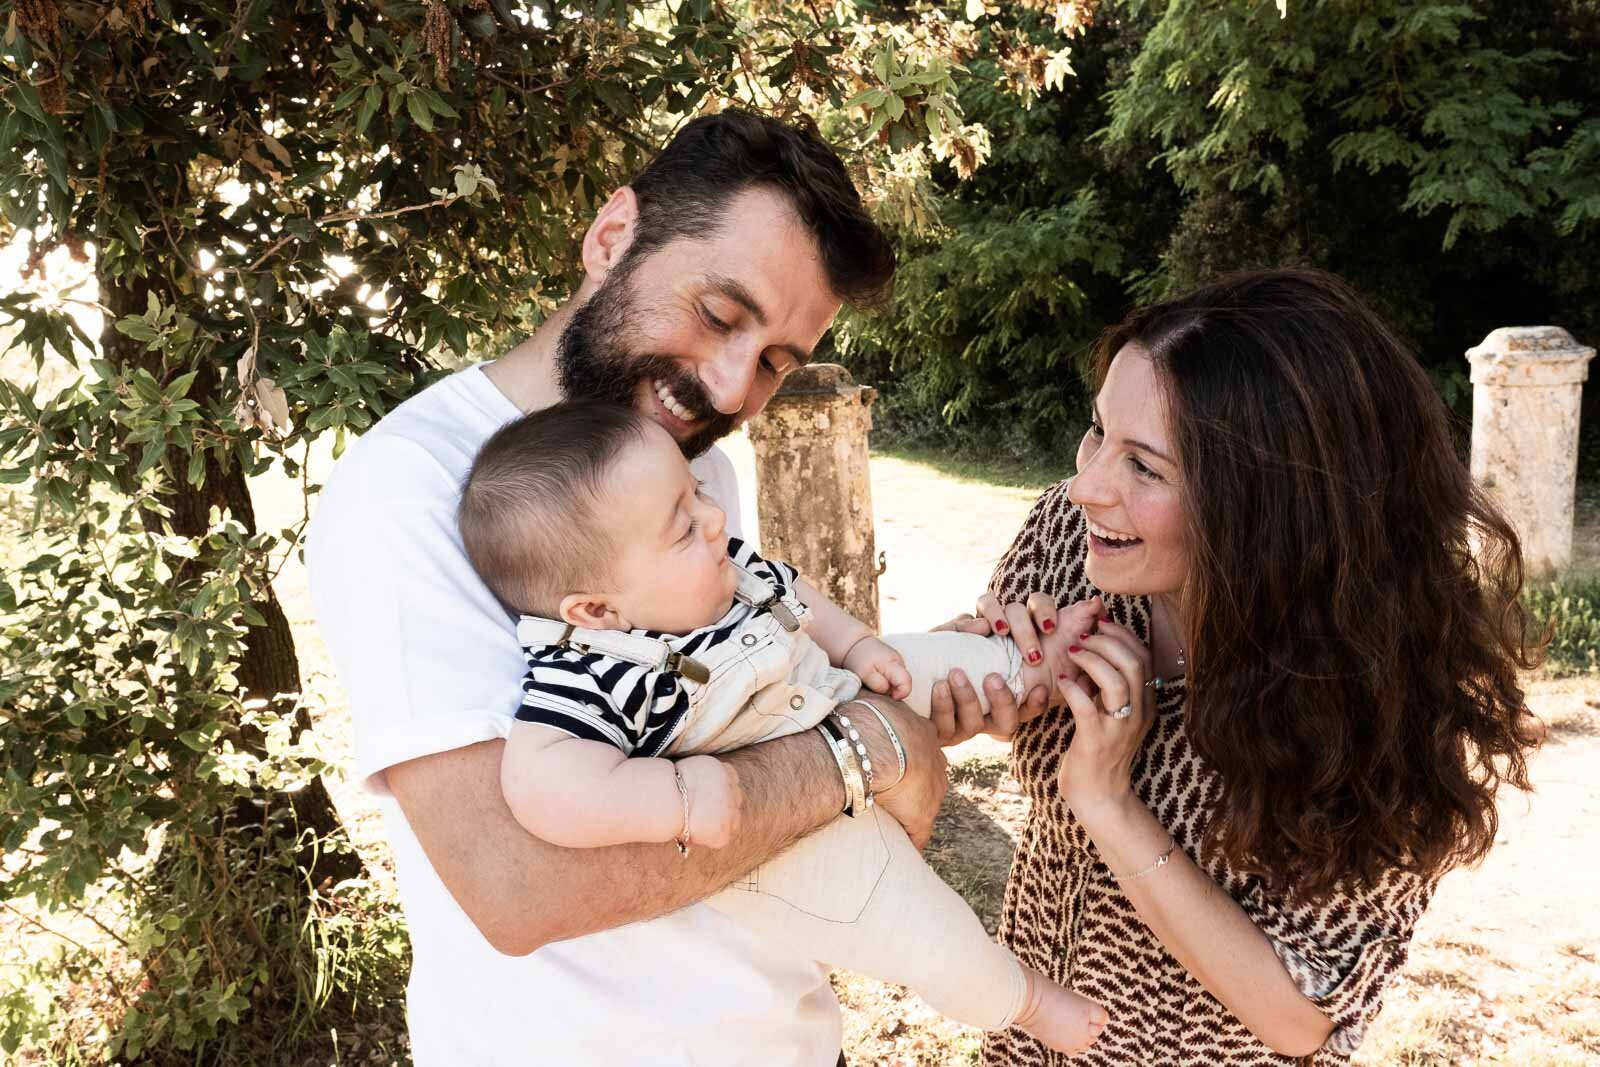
(1127, 484)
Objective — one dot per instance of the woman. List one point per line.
(1294, 715)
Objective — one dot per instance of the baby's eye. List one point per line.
(694, 525)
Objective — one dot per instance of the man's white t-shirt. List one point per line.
(431, 663)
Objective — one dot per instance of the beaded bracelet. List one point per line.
(849, 769)
(888, 728)
(859, 748)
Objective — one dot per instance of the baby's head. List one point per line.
(587, 512)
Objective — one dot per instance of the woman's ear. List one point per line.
(592, 611)
(610, 235)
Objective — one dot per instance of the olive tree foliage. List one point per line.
(1444, 155)
(292, 214)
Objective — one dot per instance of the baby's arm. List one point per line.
(584, 794)
(852, 644)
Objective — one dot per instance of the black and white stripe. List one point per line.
(637, 709)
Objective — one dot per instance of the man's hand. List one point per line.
(913, 799)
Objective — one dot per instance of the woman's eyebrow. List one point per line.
(1133, 442)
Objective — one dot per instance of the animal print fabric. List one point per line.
(1065, 915)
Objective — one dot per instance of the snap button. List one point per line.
(748, 639)
(797, 702)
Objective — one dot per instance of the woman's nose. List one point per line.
(1090, 486)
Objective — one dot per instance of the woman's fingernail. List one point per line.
(1001, 627)
(1034, 655)
(1083, 637)
(1048, 626)
(1105, 618)
(1074, 648)
(1063, 678)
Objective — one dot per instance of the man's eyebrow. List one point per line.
(1131, 442)
(740, 295)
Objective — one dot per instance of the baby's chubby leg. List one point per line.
(857, 894)
(930, 657)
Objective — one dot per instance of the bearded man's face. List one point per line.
(697, 334)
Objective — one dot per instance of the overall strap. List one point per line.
(618, 644)
(763, 595)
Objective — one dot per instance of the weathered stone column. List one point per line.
(813, 492)
(1526, 385)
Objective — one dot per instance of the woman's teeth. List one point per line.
(1110, 537)
(671, 403)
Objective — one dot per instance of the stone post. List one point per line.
(813, 493)
(1526, 385)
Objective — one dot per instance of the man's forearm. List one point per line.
(523, 893)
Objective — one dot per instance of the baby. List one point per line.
(654, 641)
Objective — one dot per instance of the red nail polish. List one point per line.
(1105, 618)
(1001, 627)
(1034, 656)
(1062, 677)
(1048, 626)
(1074, 648)
(1083, 637)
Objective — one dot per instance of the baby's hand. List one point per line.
(880, 668)
(715, 800)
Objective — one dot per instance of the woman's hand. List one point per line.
(1097, 769)
(960, 712)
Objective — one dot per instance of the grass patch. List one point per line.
(1570, 607)
(1003, 470)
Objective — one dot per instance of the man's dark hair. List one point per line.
(685, 192)
(529, 514)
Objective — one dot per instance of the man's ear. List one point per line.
(611, 234)
(592, 611)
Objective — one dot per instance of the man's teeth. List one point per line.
(671, 403)
(1115, 538)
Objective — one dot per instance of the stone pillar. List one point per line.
(813, 493)
(1526, 385)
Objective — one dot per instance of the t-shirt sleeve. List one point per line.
(1342, 951)
(427, 656)
(633, 708)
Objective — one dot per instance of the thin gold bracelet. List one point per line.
(1161, 860)
(682, 840)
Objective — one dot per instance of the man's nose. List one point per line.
(728, 378)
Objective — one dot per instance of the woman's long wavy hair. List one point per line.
(1352, 609)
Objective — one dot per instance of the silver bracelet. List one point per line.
(682, 840)
(1162, 859)
(894, 738)
(859, 748)
(849, 775)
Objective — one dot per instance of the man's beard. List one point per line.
(595, 361)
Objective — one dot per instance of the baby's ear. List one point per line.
(591, 611)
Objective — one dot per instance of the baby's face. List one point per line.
(673, 574)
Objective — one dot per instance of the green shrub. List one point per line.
(1570, 607)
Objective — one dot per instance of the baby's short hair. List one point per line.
(528, 513)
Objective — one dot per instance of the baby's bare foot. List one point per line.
(1063, 1020)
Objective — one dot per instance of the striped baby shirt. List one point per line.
(636, 708)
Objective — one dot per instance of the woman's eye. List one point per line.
(1096, 429)
(1142, 470)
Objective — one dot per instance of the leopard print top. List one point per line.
(1065, 915)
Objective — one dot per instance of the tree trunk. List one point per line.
(268, 668)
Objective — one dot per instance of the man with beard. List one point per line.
(710, 277)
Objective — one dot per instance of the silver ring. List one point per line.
(1123, 712)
